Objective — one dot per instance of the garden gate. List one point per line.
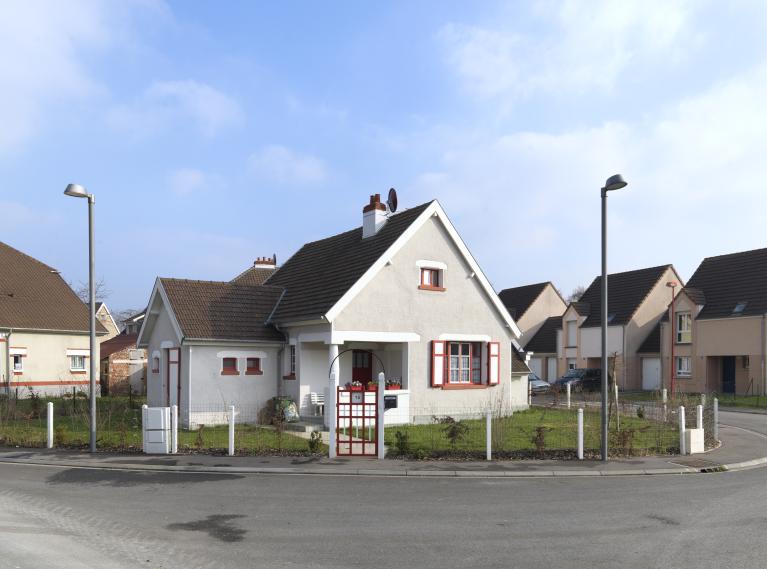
(356, 422)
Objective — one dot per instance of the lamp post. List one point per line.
(615, 182)
(77, 191)
(672, 285)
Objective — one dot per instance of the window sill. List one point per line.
(18, 372)
(432, 288)
(77, 371)
(230, 373)
(289, 376)
(253, 372)
(466, 386)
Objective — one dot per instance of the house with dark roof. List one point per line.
(717, 327)
(637, 300)
(44, 329)
(400, 295)
(530, 306)
(543, 349)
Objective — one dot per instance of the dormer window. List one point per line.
(739, 308)
(431, 279)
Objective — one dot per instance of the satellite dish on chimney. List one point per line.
(391, 201)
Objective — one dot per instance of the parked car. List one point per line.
(581, 379)
(537, 385)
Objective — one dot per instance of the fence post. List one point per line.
(380, 419)
(50, 424)
(231, 430)
(174, 429)
(682, 442)
(716, 418)
(332, 404)
(488, 434)
(568, 388)
(664, 395)
(580, 434)
(699, 424)
(144, 408)
(703, 399)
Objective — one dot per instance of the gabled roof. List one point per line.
(33, 296)
(321, 272)
(626, 291)
(545, 339)
(518, 364)
(117, 344)
(518, 299)
(651, 344)
(254, 275)
(222, 311)
(721, 282)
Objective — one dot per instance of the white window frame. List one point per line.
(72, 363)
(571, 325)
(571, 362)
(683, 332)
(683, 370)
(20, 359)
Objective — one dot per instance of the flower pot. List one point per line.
(393, 387)
(355, 388)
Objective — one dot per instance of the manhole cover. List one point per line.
(695, 462)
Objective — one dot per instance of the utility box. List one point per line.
(156, 430)
(694, 441)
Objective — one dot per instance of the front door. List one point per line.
(728, 374)
(362, 366)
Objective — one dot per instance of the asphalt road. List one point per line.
(60, 517)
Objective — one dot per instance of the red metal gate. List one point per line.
(356, 422)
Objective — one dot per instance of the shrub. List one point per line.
(539, 440)
(640, 412)
(454, 430)
(315, 442)
(59, 435)
(200, 442)
(402, 442)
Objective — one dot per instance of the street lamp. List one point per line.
(77, 191)
(672, 285)
(615, 182)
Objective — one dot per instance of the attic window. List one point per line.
(431, 279)
(610, 317)
(739, 308)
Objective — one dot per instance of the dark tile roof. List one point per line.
(320, 273)
(721, 282)
(627, 291)
(223, 311)
(545, 339)
(117, 344)
(253, 276)
(34, 296)
(582, 308)
(651, 344)
(518, 364)
(696, 295)
(518, 299)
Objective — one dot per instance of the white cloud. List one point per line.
(580, 45)
(167, 103)
(282, 165)
(186, 181)
(695, 189)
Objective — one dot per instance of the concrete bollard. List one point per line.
(488, 435)
(682, 442)
(231, 430)
(664, 395)
(716, 419)
(568, 389)
(580, 434)
(380, 420)
(174, 429)
(699, 422)
(50, 424)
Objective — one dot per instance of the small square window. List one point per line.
(431, 279)
(18, 363)
(156, 364)
(253, 366)
(229, 366)
(76, 363)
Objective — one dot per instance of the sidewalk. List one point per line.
(740, 449)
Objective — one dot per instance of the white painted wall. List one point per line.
(591, 341)
(162, 334)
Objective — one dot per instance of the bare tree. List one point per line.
(82, 290)
(577, 293)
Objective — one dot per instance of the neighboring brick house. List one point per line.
(123, 366)
(44, 329)
(262, 269)
(720, 327)
(636, 302)
(105, 317)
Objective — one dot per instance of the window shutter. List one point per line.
(437, 363)
(493, 363)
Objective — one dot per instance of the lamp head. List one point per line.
(615, 182)
(76, 191)
(672, 284)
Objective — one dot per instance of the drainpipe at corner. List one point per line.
(764, 354)
(8, 369)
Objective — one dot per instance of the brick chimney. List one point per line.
(266, 262)
(373, 216)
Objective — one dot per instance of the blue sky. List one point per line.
(215, 133)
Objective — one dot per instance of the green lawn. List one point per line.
(537, 432)
(753, 401)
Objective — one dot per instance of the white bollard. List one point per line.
(144, 408)
(231, 430)
(664, 395)
(716, 419)
(488, 434)
(700, 417)
(333, 417)
(568, 389)
(174, 429)
(580, 434)
(50, 424)
(682, 442)
(380, 420)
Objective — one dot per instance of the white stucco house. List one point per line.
(401, 294)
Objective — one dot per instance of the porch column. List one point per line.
(330, 407)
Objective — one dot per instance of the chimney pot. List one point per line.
(373, 216)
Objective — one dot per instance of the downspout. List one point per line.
(764, 353)
(8, 370)
(281, 353)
